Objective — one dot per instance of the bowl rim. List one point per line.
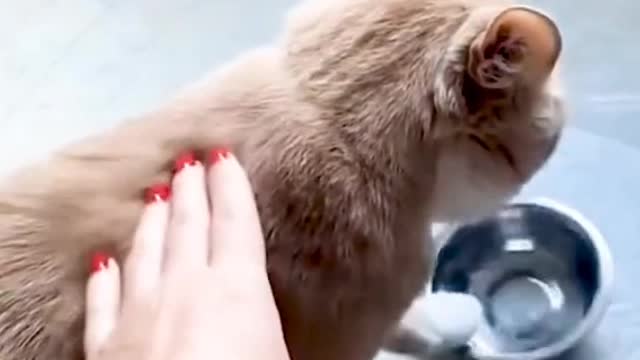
(601, 300)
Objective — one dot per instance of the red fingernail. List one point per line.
(158, 192)
(99, 262)
(218, 154)
(184, 160)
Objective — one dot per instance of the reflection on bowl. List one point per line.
(542, 272)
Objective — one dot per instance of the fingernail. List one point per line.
(184, 160)
(99, 262)
(218, 154)
(158, 192)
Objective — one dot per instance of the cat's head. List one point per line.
(499, 108)
(475, 76)
(499, 54)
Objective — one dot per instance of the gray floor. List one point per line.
(600, 64)
(72, 67)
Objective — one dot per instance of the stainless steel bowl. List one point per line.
(541, 271)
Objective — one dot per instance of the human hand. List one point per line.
(194, 285)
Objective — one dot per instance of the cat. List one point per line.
(365, 123)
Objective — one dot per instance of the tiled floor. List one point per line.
(68, 67)
(71, 67)
(600, 64)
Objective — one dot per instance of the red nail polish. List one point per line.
(218, 154)
(184, 160)
(99, 262)
(158, 192)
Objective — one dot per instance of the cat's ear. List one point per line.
(519, 44)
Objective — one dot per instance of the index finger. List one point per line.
(236, 233)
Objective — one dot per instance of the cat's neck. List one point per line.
(392, 145)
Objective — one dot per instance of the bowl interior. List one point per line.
(534, 270)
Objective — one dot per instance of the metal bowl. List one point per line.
(541, 271)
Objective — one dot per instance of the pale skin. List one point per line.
(195, 284)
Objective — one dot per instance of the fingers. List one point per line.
(187, 236)
(177, 235)
(236, 234)
(102, 303)
(143, 265)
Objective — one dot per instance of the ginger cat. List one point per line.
(368, 121)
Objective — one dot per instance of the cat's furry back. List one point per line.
(368, 121)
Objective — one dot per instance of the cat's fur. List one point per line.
(367, 122)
